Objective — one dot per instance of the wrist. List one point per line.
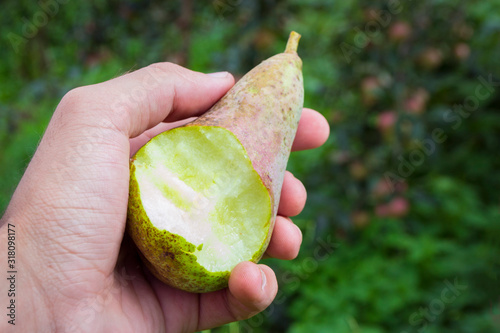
(21, 297)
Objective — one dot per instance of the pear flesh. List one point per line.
(204, 196)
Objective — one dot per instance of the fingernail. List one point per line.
(219, 74)
(263, 279)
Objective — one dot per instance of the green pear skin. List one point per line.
(251, 130)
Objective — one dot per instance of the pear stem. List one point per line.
(293, 42)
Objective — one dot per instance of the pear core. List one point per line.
(224, 215)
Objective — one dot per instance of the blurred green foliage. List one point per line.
(403, 199)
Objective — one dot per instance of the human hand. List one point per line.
(70, 209)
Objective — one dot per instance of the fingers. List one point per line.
(160, 92)
(287, 237)
(251, 289)
(285, 241)
(312, 132)
(293, 196)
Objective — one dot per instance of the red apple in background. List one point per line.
(461, 51)
(386, 121)
(430, 58)
(417, 101)
(397, 207)
(399, 31)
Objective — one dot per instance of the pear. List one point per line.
(204, 196)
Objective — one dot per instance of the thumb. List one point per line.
(160, 92)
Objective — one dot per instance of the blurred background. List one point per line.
(401, 229)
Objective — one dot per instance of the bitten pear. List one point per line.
(204, 196)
